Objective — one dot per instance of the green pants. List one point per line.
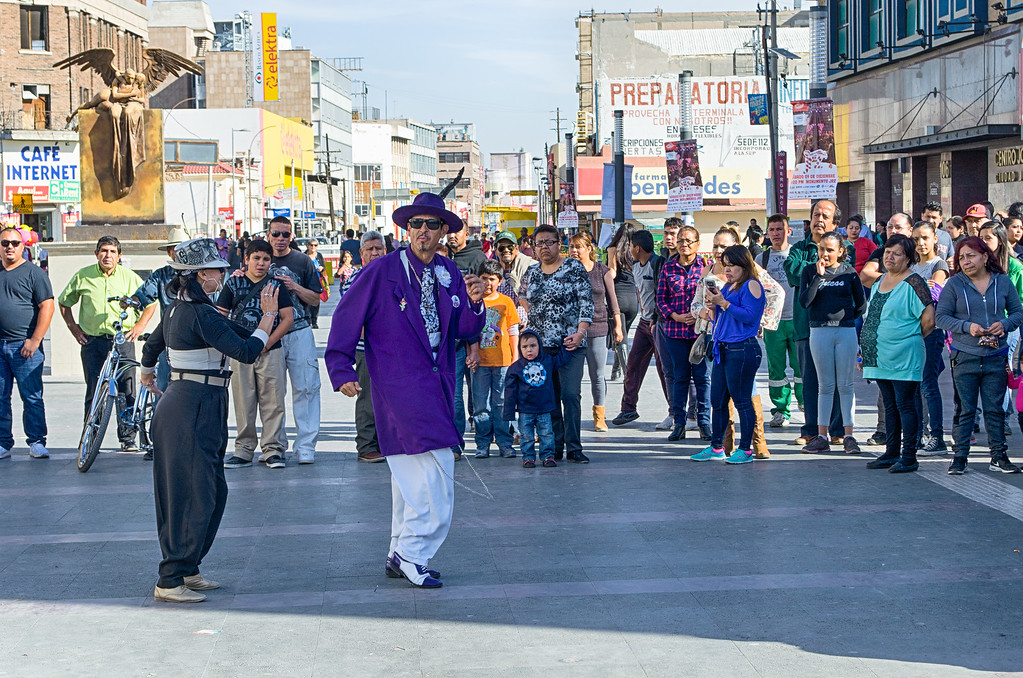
(781, 347)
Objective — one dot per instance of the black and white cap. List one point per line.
(197, 254)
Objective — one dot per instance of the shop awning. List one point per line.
(969, 135)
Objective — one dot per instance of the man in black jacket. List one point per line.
(646, 271)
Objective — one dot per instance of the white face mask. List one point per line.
(220, 286)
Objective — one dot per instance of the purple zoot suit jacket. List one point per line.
(413, 394)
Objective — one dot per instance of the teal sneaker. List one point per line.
(708, 454)
(740, 457)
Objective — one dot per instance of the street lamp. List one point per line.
(234, 188)
(248, 182)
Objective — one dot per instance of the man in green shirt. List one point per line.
(92, 286)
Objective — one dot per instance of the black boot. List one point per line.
(677, 433)
(886, 460)
(906, 464)
(704, 432)
(578, 457)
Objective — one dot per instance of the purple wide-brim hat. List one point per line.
(427, 203)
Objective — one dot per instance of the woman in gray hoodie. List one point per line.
(979, 306)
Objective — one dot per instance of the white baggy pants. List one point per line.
(422, 501)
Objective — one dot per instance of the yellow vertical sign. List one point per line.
(270, 70)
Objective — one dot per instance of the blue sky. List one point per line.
(505, 65)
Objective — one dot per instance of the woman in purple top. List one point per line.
(738, 308)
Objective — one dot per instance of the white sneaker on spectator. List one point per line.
(5, 453)
(692, 425)
(667, 424)
(305, 458)
(38, 451)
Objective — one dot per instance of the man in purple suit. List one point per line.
(413, 306)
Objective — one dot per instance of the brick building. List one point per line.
(37, 36)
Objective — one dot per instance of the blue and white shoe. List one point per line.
(416, 574)
(740, 457)
(708, 454)
(392, 570)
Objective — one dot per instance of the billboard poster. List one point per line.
(685, 185)
(816, 172)
(269, 44)
(567, 215)
(721, 117)
(607, 193)
(758, 109)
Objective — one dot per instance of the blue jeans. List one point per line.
(934, 365)
(732, 378)
(567, 413)
(984, 376)
(28, 372)
(488, 408)
(536, 425)
(683, 372)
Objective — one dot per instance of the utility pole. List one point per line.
(557, 121)
(619, 167)
(771, 78)
(685, 107)
(330, 188)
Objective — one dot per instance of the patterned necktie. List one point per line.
(428, 306)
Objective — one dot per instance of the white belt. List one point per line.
(223, 382)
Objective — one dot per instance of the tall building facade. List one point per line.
(927, 104)
(631, 62)
(458, 150)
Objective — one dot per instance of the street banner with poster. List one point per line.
(816, 172)
(568, 217)
(685, 185)
(758, 109)
(607, 193)
(270, 56)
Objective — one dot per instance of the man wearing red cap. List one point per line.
(412, 306)
(976, 217)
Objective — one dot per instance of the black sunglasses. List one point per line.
(280, 234)
(432, 224)
(10, 243)
(505, 248)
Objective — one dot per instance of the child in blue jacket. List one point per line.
(529, 388)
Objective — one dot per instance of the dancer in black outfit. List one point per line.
(189, 428)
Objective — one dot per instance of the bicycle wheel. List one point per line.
(95, 427)
(143, 415)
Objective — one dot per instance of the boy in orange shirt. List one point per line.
(498, 349)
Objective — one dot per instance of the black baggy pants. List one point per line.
(189, 431)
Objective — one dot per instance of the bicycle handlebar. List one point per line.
(127, 301)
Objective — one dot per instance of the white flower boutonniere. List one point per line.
(443, 277)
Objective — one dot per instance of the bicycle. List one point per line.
(106, 397)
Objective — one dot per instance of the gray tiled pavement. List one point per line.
(641, 563)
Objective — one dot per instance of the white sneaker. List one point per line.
(37, 451)
(5, 453)
(667, 424)
(691, 425)
(305, 458)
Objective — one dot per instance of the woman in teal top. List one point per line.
(899, 315)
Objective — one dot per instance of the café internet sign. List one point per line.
(49, 172)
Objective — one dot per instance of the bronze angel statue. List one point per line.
(122, 102)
